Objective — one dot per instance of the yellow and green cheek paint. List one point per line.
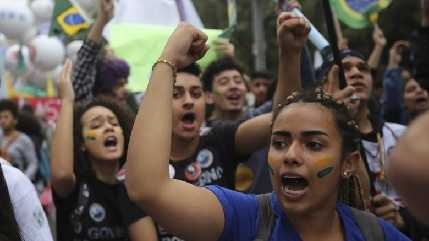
(89, 135)
(324, 167)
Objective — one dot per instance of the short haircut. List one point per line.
(261, 75)
(108, 74)
(216, 67)
(7, 104)
(193, 69)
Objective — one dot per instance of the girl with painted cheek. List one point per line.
(306, 158)
(88, 149)
(103, 138)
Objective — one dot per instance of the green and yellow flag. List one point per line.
(358, 14)
(67, 21)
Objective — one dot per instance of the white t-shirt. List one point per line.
(28, 211)
(391, 133)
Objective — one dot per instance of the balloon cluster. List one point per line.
(29, 53)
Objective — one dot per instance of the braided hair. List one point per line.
(350, 189)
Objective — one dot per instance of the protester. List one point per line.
(211, 158)
(88, 149)
(378, 137)
(299, 139)
(96, 72)
(21, 217)
(399, 82)
(16, 147)
(31, 126)
(225, 89)
(260, 85)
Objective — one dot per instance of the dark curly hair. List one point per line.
(126, 120)
(350, 189)
(216, 67)
(10, 105)
(193, 69)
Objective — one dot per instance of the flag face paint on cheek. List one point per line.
(89, 135)
(325, 172)
(324, 167)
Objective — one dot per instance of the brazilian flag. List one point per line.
(67, 22)
(358, 14)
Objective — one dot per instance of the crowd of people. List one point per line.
(222, 154)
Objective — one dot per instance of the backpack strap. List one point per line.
(368, 224)
(266, 217)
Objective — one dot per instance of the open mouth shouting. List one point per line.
(422, 102)
(294, 186)
(422, 99)
(111, 143)
(188, 121)
(234, 98)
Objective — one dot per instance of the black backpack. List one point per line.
(367, 222)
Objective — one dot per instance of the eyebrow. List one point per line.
(303, 133)
(97, 118)
(282, 133)
(101, 117)
(313, 133)
(178, 87)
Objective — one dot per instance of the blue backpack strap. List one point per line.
(368, 224)
(266, 217)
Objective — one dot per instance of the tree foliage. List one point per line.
(398, 22)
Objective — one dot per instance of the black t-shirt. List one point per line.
(214, 163)
(95, 211)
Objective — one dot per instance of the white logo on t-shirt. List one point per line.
(205, 158)
(97, 212)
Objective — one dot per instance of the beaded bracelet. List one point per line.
(172, 66)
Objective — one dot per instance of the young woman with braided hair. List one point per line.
(313, 147)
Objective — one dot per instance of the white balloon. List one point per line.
(72, 49)
(22, 2)
(48, 52)
(12, 59)
(42, 9)
(15, 19)
(29, 35)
